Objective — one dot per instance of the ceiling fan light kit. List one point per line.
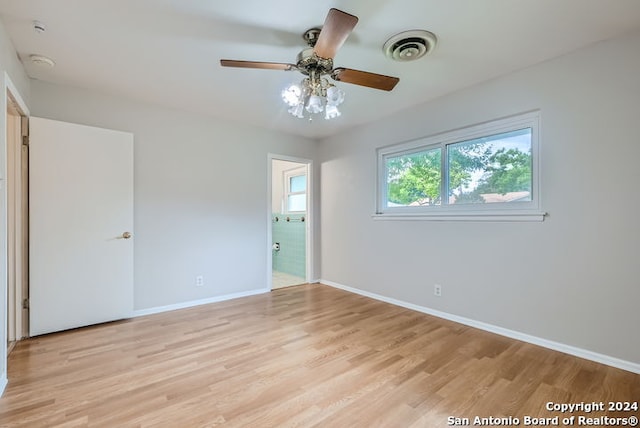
(315, 94)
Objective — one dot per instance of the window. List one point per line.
(414, 179)
(296, 190)
(484, 171)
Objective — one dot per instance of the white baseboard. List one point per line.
(556, 346)
(3, 383)
(192, 303)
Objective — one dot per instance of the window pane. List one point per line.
(414, 179)
(297, 202)
(298, 184)
(494, 169)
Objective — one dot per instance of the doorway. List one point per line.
(289, 221)
(17, 173)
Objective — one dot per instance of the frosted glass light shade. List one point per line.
(331, 112)
(335, 96)
(297, 111)
(292, 95)
(314, 105)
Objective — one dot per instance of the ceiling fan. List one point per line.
(315, 94)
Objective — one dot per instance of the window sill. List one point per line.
(463, 216)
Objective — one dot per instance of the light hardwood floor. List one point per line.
(302, 356)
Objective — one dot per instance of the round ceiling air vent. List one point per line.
(409, 45)
(42, 61)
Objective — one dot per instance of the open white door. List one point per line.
(80, 215)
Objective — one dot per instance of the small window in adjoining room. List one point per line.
(295, 190)
(482, 172)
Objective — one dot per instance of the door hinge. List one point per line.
(25, 140)
(25, 304)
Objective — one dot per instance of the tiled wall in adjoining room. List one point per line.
(290, 234)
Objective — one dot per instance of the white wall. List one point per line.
(572, 279)
(200, 193)
(10, 65)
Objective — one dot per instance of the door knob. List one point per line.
(126, 235)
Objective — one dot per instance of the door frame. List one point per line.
(17, 202)
(309, 217)
(13, 97)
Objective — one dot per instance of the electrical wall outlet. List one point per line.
(437, 290)
(199, 281)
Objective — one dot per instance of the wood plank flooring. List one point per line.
(302, 356)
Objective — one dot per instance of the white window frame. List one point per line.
(513, 211)
(287, 175)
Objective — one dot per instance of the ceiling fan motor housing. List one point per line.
(307, 60)
(409, 45)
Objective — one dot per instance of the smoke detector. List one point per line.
(42, 61)
(39, 27)
(409, 45)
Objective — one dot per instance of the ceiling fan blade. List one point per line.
(364, 78)
(257, 64)
(337, 27)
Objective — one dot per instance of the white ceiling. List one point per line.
(167, 52)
